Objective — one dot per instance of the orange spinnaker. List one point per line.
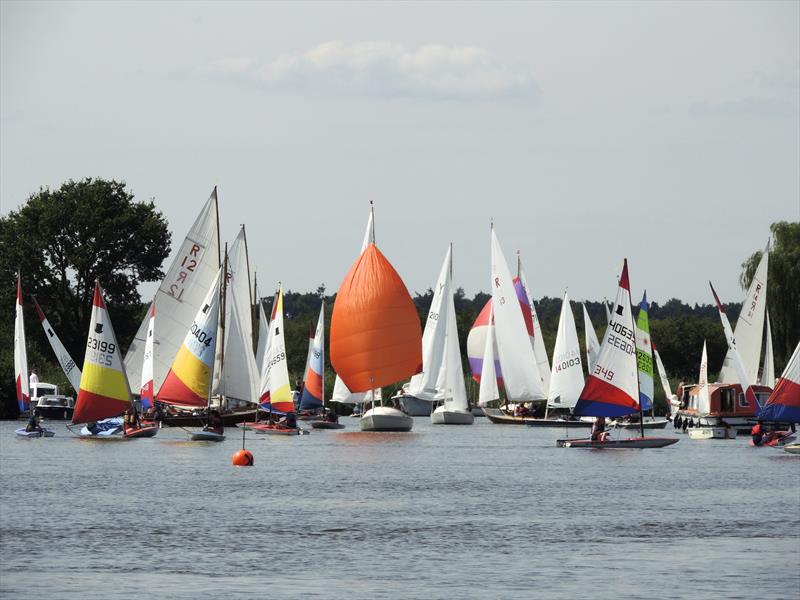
(376, 338)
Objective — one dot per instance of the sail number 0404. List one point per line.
(202, 337)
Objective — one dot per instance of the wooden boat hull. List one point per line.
(792, 448)
(452, 417)
(275, 430)
(143, 432)
(207, 436)
(712, 433)
(385, 418)
(199, 420)
(326, 425)
(48, 433)
(646, 442)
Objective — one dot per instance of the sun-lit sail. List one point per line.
(313, 396)
(488, 390)
(644, 356)
(768, 370)
(566, 379)
(68, 365)
(276, 392)
(22, 383)
(592, 343)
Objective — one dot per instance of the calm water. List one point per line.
(487, 511)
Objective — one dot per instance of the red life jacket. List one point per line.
(756, 430)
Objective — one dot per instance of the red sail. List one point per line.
(376, 338)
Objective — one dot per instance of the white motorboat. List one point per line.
(385, 418)
(452, 416)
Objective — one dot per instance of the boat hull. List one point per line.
(646, 442)
(228, 419)
(55, 413)
(782, 440)
(792, 448)
(712, 433)
(442, 416)
(384, 418)
(415, 407)
(34, 434)
(207, 436)
(142, 432)
(326, 425)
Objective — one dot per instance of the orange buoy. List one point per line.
(243, 458)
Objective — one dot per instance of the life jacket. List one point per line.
(756, 430)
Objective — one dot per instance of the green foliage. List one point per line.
(61, 240)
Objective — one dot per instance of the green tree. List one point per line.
(783, 290)
(61, 240)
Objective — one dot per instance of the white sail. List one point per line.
(146, 389)
(263, 331)
(239, 375)
(749, 327)
(340, 391)
(672, 399)
(520, 374)
(488, 390)
(703, 398)
(539, 350)
(450, 382)
(70, 368)
(566, 381)
(768, 370)
(21, 354)
(180, 295)
(592, 343)
(275, 387)
(424, 385)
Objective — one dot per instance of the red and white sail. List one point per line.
(783, 403)
(22, 383)
(612, 388)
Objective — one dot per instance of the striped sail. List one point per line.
(146, 393)
(104, 390)
(539, 350)
(276, 392)
(612, 388)
(768, 370)
(188, 381)
(749, 327)
(424, 385)
(180, 295)
(488, 390)
(521, 377)
(566, 380)
(592, 343)
(733, 353)
(22, 383)
(476, 344)
(68, 365)
(783, 403)
(315, 371)
(644, 356)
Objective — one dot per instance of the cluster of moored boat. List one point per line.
(376, 340)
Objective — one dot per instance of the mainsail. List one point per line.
(146, 392)
(521, 377)
(450, 383)
(566, 380)
(21, 354)
(104, 390)
(704, 397)
(768, 370)
(672, 400)
(476, 344)
(68, 365)
(275, 392)
(612, 388)
(783, 403)
(644, 356)
(314, 380)
(592, 343)
(539, 350)
(188, 382)
(749, 327)
(180, 295)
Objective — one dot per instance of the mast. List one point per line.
(638, 388)
(322, 354)
(221, 340)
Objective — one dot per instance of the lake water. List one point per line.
(487, 511)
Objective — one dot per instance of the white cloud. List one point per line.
(388, 69)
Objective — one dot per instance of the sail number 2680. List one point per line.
(603, 373)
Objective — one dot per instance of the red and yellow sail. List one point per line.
(104, 391)
(189, 378)
(376, 337)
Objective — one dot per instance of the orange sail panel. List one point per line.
(376, 338)
(188, 381)
(104, 390)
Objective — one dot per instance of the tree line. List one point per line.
(62, 239)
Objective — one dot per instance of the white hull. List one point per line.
(712, 433)
(385, 418)
(455, 416)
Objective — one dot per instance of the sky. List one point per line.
(664, 132)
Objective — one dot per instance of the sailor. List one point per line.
(215, 423)
(34, 378)
(33, 424)
(598, 429)
(757, 433)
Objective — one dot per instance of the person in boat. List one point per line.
(33, 424)
(215, 424)
(331, 417)
(757, 433)
(289, 421)
(599, 430)
(131, 419)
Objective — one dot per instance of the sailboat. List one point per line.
(104, 391)
(376, 338)
(672, 399)
(592, 343)
(450, 389)
(539, 350)
(701, 401)
(68, 365)
(612, 388)
(488, 391)
(783, 404)
(644, 358)
(313, 396)
(188, 382)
